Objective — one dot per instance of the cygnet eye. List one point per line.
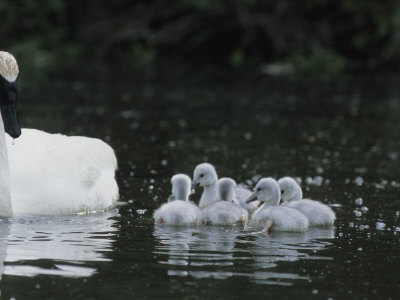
(259, 189)
(282, 192)
(201, 175)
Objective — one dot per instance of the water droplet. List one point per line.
(318, 180)
(380, 225)
(248, 136)
(359, 181)
(358, 201)
(364, 209)
(357, 213)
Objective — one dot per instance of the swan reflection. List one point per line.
(217, 252)
(55, 245)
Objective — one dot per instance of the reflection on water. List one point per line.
(216, 252)
(66, 242)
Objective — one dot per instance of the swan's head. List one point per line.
(290, 189)
(226, 189)
(267, 190)
(181, 186)
(8, 94)
(204, 174)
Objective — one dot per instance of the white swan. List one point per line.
(272, 216)
(178, 212)
(49, 173)
(225, 211)
(318, 214)
(205, 175)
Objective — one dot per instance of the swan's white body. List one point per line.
(179, 212)
(49, 173)
(225, 211)
(270, 215)
(57, 174)
(318, 214)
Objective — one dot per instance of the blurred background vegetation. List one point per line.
(272, 36)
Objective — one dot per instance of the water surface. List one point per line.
(340, 137)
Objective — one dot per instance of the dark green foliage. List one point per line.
(313, 35)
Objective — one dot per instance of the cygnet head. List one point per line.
(226, 189)
(267, 190)
(204, 175)
(181, 187)
(8, 94)
(290, 189)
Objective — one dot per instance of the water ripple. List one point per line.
(220, 253)
(52, 245)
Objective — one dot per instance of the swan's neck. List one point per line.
(227, 195)
(209, 195)
(182, 195)
(296, 195)
(273, 200)
(5, 199)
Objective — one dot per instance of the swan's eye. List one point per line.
(201, 175)
(282, 192)
(259, 189)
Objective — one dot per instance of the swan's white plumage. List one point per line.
(242, 194)
(318, 214)
(57, 174)
(225, 211)
(5, 197)
(284, 218)
(178, 212)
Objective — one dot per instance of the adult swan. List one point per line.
(49, 173)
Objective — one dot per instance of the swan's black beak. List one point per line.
(8, 107)
(195, 185)
(253, 197)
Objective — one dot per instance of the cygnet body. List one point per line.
(272, 216)
(178, 212)
(225, 211)
(318, 214)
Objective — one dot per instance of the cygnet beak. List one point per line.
(253, 197)
(195, 185)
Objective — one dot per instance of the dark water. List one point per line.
(339, 136)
